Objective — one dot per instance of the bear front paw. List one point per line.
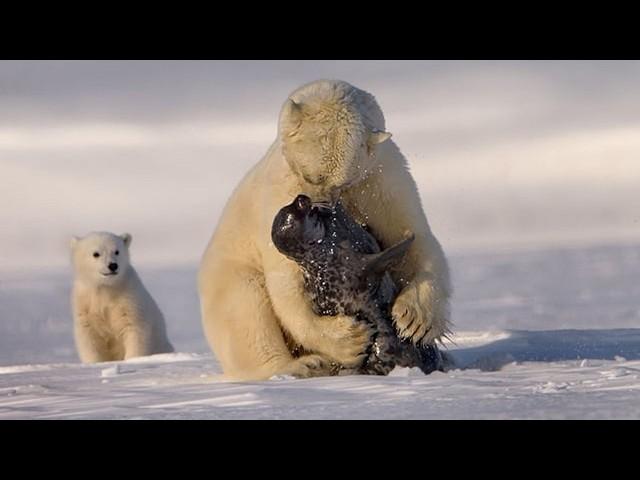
(348, 341)
(310, 366)
(417, 315)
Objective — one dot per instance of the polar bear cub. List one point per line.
(115, 317)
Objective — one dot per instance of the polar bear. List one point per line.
(115, 317)
(331, 144)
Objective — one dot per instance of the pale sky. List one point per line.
(506, 154)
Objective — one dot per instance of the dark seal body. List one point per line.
(346, 273)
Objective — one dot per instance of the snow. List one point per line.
(529, 344)
(161, 389)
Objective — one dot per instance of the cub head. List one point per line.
(100, 257)
(327, 145)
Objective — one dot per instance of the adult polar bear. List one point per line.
(331, 143)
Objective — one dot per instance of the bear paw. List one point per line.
(309, 366)
(417, 315)
(347, 341)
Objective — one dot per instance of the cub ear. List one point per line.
(126, 238)
(378, 136)
(73, 242)
(290, 117)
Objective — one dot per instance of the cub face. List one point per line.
(101, 258)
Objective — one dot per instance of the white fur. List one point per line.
(115, 317)
(331, 143)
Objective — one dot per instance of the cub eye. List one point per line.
(96, 254)
(117, 252)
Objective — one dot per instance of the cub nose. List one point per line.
(113, 267)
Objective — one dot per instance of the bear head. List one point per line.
(328, 137)
(101, 258)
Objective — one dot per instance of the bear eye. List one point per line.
(117, 252)
(96, 254)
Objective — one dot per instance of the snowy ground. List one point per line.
(540, 334)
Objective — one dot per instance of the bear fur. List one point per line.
(115, 317)
(331, 144)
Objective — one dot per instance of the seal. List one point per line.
(346, 272)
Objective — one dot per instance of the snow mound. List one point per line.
(166, 358)
(25, 368)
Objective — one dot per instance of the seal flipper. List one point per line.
(378, 263)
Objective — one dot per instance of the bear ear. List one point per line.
(291, 117)
(73, 242)
(378, 136)
(126, 238)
